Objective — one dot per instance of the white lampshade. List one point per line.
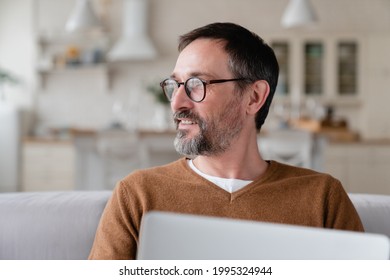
(82, 17)
(298, 13)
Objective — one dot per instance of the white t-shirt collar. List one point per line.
(229, 185)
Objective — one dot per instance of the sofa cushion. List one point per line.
(374, 211)
(49, 225)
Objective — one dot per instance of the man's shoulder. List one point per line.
(288, 168)
(306, 182)
(285, 171)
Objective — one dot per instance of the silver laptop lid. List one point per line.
(173, 236)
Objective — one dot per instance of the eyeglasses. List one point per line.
(195, 88)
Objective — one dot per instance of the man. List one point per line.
(220, 92)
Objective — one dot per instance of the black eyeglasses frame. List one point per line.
(209, 82)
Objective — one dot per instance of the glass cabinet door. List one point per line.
(282, 53)
(347, 68)
(316, 68)
(314, 56)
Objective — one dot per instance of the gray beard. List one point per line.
(193, 147)
(214, 137)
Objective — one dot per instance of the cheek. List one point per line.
(220, 105)
(210, 113)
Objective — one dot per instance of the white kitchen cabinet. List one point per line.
(104, 158)
(361, 167)
(326, 67)
(48, 165)
(320, 71)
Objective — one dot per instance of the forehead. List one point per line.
(205, 57)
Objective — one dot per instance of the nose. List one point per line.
(181, 101)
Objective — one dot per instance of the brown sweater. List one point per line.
(284, 194)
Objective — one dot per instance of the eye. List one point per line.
(194, 83)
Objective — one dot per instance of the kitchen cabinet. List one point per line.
(362, 167)
(314, 61)
(325, 67)
(103, 158)
(347, 67)
(282, 52)
(48, 165)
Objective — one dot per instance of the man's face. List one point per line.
(206, 128)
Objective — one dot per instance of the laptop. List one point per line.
(172, 236)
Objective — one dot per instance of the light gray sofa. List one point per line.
(49, 225)
(62, 225)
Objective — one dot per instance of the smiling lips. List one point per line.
(182, 123)
(186, 121)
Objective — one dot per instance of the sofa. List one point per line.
(62, 225)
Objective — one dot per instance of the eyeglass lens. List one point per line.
(194, 88)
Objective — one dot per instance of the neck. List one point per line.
(241, 161)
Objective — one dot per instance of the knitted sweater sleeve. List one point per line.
(117, 234)
(340, 212)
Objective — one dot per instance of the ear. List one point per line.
(257, 97)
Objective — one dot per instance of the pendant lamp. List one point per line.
(298, 13)
(82, 18)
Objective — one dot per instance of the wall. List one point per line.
(70, 99)
(16, 49)
(376, 121)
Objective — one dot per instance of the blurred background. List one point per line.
(80, 105)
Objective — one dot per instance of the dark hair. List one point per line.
(249, 57)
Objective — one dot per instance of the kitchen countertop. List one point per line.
(46, 139)
(71, 134)
(339, 137)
